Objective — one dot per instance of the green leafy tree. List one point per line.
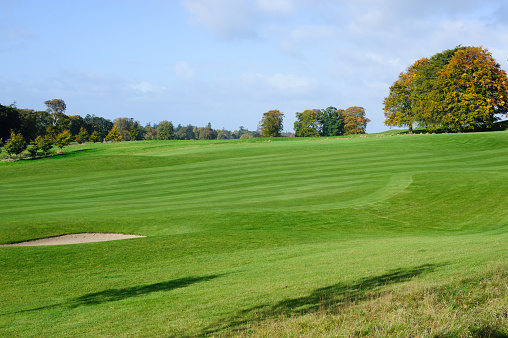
(82, 136)
(224, 134)
(63, 140)
(44, 143)
(32, 149)
(165, 131)
(308, 123)
(187, 133)
(133, 132)
(149, 132)
(95, 137)
(125, 125)
(10, 119)
(271, 124)
(34, 123)
(206, 133)
(99, 124)
(114, 135)
(355, 121)
(76, 124)
(15, 144)
(331, 123)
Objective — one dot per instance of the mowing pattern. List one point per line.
(257, 177)
(272, 238)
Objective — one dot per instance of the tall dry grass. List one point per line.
(463, 307)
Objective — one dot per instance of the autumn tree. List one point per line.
(165, 131)
(114, 135)
(133, 132)
(63, 139)
(206, 133)
(32, 149)
(457, 89)
(185, 132)
(473, 90)
(150, 133)
(425, 86)
(308, 123)
(95, 137)
(82, 136)
(44, 143)
(398, 107)
(56, 108)
(125, 125)
(15, 144)
(271, 124)
(223, 134)
(355, 121)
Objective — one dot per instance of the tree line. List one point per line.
(317, 122)
(455, 90)
(38, 131)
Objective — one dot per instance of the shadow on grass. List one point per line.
(332, 296)
(113, 295)
(497, 126)
(486, 331)
(26, 157)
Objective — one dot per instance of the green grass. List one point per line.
(400, 235)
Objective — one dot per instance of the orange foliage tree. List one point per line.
(355, 121)
(271, 124)
(455, 90)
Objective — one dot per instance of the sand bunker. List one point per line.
(75, 239)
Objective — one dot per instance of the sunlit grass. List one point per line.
(316, 237)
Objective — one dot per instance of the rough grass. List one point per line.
(463, 307)
(375, 236)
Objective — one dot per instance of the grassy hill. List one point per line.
(401, 235)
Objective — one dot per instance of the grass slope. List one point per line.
(398, 236)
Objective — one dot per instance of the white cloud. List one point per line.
(184, 71)
(144, 87)
(278, 84)
(305, 37)
(276, 6)
(227, 19)
(290, 83)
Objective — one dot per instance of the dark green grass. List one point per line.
(247, 232)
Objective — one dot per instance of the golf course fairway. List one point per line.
(382, 235)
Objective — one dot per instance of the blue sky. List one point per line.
(228, 61)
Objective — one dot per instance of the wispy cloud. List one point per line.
(284, 7)
(184, 72)
(227, 19)
(15, 33)
(145, 87)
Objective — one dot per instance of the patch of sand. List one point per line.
(75, 239)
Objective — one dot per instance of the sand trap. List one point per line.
(75, 239)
